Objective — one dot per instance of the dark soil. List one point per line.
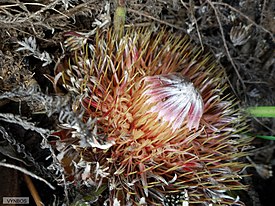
(239, 33)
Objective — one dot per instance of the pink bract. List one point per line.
(176, 98)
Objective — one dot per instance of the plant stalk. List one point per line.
(263, 111)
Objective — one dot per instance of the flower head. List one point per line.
(158, 104)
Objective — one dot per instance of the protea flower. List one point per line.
(161, 129)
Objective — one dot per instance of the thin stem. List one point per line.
(119, 18)
(27, 173)
(264, 111)
(33, 190)
(266, 137)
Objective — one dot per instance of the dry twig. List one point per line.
(225, 44)
(155, 19)
(246, 17)
(33, 190)
(27, 173)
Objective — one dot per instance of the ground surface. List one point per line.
(240, 33)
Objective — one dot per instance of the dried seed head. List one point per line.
(240, 34)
